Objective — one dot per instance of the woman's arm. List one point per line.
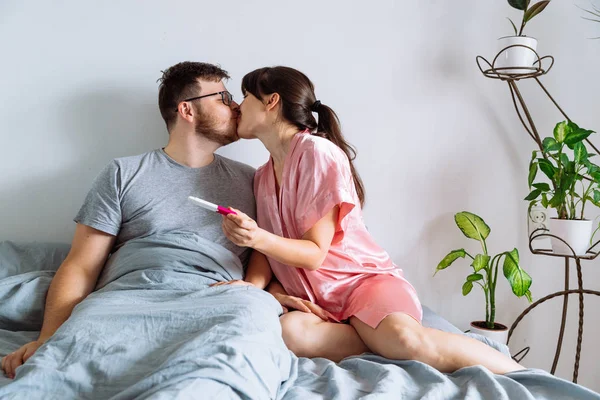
(275, 287)
(307, 253)
(296, 303)
(258, 272)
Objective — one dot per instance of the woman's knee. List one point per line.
(410, 337)
(295, 327)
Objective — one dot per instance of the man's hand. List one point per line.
(17, 358)
(234, 282)
(241, 229)
(299, 304)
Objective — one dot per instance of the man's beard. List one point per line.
(207, 127)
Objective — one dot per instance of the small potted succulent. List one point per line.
(574, 183)
(485, 274)
(523, 54)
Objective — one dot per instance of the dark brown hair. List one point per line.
(297, 94)
(180, 82)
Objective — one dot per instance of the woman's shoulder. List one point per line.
(314, 146)
(260, 171)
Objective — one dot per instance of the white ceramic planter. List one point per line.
(517, 56)
(577, 233)
(499, 335)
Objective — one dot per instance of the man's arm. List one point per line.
(74, 281)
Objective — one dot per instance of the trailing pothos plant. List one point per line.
(574, 179)
(485, 267)
(528, 12)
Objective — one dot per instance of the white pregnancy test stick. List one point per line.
(210, 206)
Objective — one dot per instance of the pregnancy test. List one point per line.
(210, 206)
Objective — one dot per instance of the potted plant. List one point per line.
(594, 13)
(485, 274)
(574, 182)
(523, 54)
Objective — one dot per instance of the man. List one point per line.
(145, 195)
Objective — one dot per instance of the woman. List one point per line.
(310, 228)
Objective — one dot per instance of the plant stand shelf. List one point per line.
(509, 76)
(580, 291)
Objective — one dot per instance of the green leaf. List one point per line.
(514, 26)
(577, 136)
(481, 261)
(519, 280)
(564, 159)
(533, 156)
(467, 287)
(550, 144)
(597, 204)
(561, 130)
(472, 225)
(596, 196)
(547, 167)
(591, 166)
(567, 180)
(580, 152)
(535, 10)
(474, 277)
(533, 195)
(519, 4)
(533, 169)
(544, 200)
(450, 258)
(570, 167)
(557, 200)
(528, 295)
(544, 187)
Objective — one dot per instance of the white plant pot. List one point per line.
(517, 56)
(577, 233)
(500, 334)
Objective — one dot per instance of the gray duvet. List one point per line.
(153, 329)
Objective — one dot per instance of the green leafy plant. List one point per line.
(574, 179)
(593, 14)
(528, 12)
(485, 268)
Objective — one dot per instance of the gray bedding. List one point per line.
(154, 329)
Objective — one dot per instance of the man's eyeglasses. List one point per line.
(226, 97)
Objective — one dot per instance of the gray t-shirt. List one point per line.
(143, 195)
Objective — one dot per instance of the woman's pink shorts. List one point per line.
(381, 295)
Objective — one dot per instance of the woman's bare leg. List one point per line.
(400, 337)
(307, 335)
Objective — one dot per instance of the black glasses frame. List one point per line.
(226, 97)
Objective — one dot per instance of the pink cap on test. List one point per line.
(225, 211)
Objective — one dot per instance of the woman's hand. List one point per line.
(234, 282)
(241, 229)
(299, 304)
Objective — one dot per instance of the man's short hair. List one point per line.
(180, 82)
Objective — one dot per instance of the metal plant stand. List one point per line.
(511, 75)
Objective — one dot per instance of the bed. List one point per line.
(153, 329)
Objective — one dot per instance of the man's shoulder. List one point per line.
(237, 166)
(134, 161)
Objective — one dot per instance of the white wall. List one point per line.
(78, 88)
